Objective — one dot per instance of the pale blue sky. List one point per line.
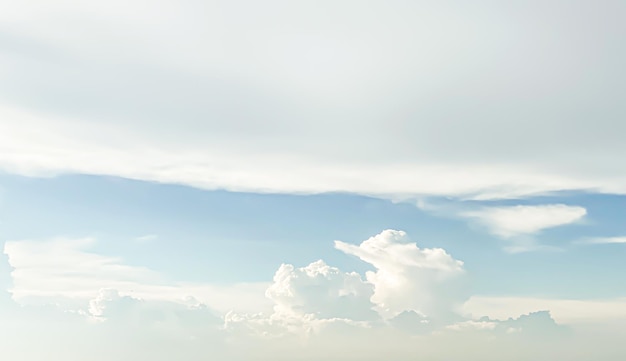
(227, 237)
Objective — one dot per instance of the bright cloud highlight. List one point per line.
(407, 278)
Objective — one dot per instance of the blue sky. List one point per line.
(210, 231)
(303, 180)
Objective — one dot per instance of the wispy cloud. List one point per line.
(521, 220)
(50, 271)
(519, 225)
(146, 238)
(603, 240)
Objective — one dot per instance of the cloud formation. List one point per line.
(323, 291)
(65, 270)
(408, 278)
(396, 99)
(564, 311)
(604, 240)
(63, 267)
(512, 221)
(400, 310)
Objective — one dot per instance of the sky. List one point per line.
(306, 180)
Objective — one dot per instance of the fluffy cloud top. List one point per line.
(323, 291)
(408, 278)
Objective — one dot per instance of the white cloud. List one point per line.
(323, 291)
(171, 319)
(319, 312)
(63, 267)
(513, 221)
(538, 325)
(305, 300)
(65, 271)
(422, 288)
(408, 278)
(72, 146)
(139, 329)
(146, 238)
(309, 300)
(380, 99)
(604, 240)
(472, 325)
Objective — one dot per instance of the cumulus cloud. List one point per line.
(408, 278)
(318, 312)
(177, 320)
(140, 329)
(512, 221)
(412, 290)
(323, 291)
(309, 300)
(380, 99)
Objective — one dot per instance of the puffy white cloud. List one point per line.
(317, 296)
(408, 278)
(319, 312)
(308, 300)
(173, 320)
(288, 325)
(412, 288)
(323, 291)
(512, 221)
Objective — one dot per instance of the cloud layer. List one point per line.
(65, 270)
(395, 99)
(407, 307)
